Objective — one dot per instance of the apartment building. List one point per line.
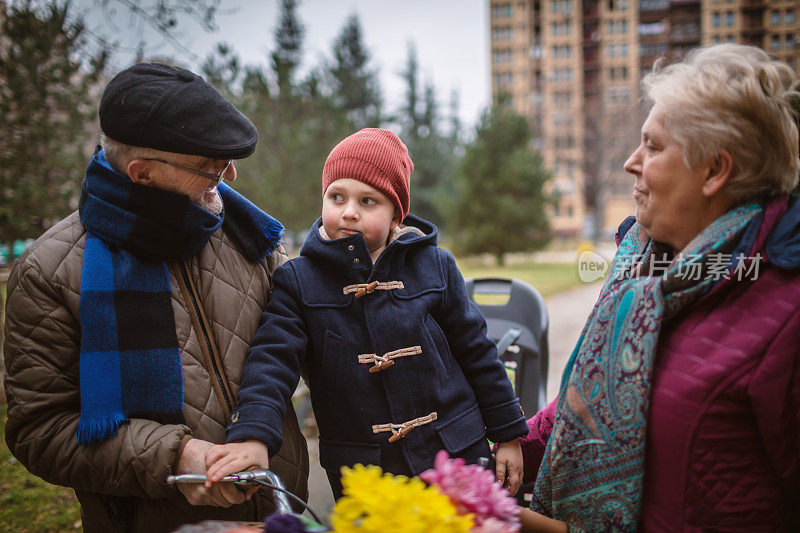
(574, 66)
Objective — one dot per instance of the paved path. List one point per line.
(568, 312)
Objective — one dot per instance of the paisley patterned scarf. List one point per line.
(592, 471)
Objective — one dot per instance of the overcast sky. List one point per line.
(451, 37)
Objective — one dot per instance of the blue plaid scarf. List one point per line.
(130, 364)
(592, 471)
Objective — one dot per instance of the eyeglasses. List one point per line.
(216, 178)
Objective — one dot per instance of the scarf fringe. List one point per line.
(274, 234)
(98, 429)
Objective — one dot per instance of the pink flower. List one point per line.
(474, 489)
(493, 525)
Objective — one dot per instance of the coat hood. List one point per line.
(351, 253)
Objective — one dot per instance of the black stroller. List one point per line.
(519, 327)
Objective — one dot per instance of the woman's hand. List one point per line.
(508, 465)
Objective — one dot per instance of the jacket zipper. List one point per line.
(217, 374)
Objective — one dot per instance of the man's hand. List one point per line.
(235, 457)
(508, 465)
(193, 461)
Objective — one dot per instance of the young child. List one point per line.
(377, 318)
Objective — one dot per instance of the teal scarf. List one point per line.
(592, 471)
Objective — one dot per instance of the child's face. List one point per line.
(350, 206)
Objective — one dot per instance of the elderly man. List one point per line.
(128, 322)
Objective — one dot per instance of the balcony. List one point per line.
(753, 5)
(653, 5)
(591, 10)
(753, 23)
(685, 33)
(591, 34)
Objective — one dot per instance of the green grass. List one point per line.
(27, 502)
(547, 278)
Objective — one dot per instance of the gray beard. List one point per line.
(212, 206)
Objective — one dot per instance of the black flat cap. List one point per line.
(172, 109)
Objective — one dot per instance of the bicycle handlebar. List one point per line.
(248, 478)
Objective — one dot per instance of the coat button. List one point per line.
(235, 417)
(351, 247)
(355, 260)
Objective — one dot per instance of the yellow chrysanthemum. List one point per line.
(378, 502)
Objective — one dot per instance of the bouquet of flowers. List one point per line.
(458, 498)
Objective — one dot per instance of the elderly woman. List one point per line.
(679, 409)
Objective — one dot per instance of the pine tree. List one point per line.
(48, 92)
(431, 149)
(502, 200)
(288, 46)
(223, 70)
(409, 116)
(298, 125)
(353, 84)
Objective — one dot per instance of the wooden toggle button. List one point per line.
(380, 365)
(402, 432)
(365, 290)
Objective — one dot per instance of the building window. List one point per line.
(789, 17)
(561, 6)
(562, 74)
(789, 41)
(562, 97)
(617, 26)
(775, 17)
(502, 33)
(775, 42)
(618, 95)
(503, 56)
(617, 50)
(618, 73)
(729, 18)
(502, 11)
(561, 52)
(503, 79)
(566, 141)
(560, 28)
(716, 20)
(562, 119)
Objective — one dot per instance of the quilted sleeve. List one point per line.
(774, 392)
(465, 329)
(42, 385)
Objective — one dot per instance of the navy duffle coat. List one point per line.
(445, 380)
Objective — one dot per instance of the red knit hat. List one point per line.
(376, 157)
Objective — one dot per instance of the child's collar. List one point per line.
(395, 234)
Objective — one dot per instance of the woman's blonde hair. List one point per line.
(733, 97)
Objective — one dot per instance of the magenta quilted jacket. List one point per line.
(723, 442)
